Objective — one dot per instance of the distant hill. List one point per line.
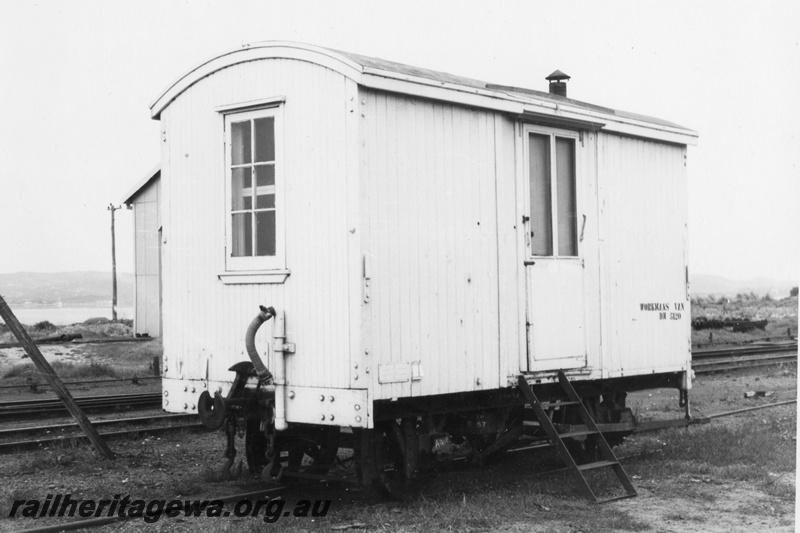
(705, 284)
(70, 288)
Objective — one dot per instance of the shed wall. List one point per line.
(205, 320)
(147, 299)
(643, 256)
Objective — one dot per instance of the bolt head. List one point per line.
(358, 419)
(323, 417)
(291, 395)
(322, 397)
(357, 407)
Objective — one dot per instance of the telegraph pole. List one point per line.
(112, 208)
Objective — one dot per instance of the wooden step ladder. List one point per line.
(607, 455)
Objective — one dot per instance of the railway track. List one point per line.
(707, 361)
(740, 351)
(30, 409)
(35, 436)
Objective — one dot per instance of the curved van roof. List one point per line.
(527, 104)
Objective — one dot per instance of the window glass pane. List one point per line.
(541, 207)
(241, 191)
(240, 143)
(265, 233)
(265, 201)
(265, 175)
(265, 139)
(242, 235)
(265, 193)
(567, 208)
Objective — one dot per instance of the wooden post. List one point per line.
(113, 208)
(53, 379)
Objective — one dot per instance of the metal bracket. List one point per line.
(288, 347)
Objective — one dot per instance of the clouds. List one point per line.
(78, 78)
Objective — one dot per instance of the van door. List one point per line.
(556, 321)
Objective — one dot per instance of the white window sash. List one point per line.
(255, 264)
(553, 134)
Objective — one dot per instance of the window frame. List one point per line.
(553, 134)
(258, 266)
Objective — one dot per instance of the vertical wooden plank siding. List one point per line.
(508, 259)
(146, 223)
(204, 319)
(587, 194)
(430, 189)
(644, 213)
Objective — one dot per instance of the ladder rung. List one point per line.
(578, 433)
(558, 404)
(598, 464)
(615, 498)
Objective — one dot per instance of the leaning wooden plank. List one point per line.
(54, 381)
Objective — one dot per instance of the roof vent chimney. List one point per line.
(558, 83)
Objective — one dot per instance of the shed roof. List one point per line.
(148, 178)
(397, 77)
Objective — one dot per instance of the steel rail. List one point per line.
(26, 409)
(744, 350)
(6, 447)
(134, 379)
(13, 432)
(55, 401)
(735, 363)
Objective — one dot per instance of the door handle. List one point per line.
(528, 263)
(583, 227)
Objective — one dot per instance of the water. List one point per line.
(67, 315)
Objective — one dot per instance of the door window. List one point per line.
(553, 210)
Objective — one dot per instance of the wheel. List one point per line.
(382, 459)
(314, 448)
(255, 446)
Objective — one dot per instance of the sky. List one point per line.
(77, 79)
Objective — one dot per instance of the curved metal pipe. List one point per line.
(250, 342)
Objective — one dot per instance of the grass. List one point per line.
(64, 370)
(90, 329)
(754, 449)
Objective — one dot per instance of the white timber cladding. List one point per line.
(205, 319)
(403, 268)
(643, 262)
(147, 222)
(430, 203)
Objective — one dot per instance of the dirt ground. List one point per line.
(681, 485)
